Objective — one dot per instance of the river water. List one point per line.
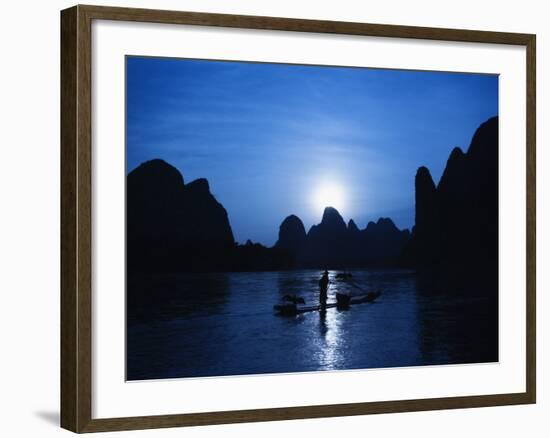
(196, 325)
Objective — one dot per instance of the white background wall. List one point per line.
(29, 215)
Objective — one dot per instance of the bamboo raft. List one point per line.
(292, 309)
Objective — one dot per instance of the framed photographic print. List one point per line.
(270, 218)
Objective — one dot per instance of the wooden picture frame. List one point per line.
(76, 217)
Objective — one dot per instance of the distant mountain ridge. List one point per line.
(333, 244)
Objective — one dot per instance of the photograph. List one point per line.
(275, 219)
(293, 218)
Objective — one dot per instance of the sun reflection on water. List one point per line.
(330, 342)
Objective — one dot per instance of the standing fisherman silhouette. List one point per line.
(323, 289)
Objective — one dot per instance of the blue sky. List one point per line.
(268, 136)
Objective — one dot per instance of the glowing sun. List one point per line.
(329, 195)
